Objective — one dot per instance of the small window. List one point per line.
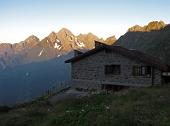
(165, 73)
(108, 69)
(146, 71)
(141, 70)
(136, 70)
(108, 51)
(112, 69)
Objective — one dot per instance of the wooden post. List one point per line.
(152, 72)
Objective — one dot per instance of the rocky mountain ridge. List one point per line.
(153, 39)
(154, 25)
(54, 45)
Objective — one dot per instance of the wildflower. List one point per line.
(107, 108)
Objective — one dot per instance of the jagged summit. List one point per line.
(65, 32)
(110, 40)
(54, 45)
(52, 36)
(32, 38)
(154, 25)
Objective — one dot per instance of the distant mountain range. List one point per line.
(29, 68)
(54, 45)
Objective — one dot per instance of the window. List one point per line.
(136, 70)
(141, 70)
(112, 69)
(146, 70)
(165, 73)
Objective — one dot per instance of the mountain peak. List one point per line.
(65, 32)
(64, 29)
(28, 43)
(89, 33)
(154, 25)
(110, 40)
(32, 38)
(52, 36)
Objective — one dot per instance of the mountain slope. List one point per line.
(9, 50)
(26, 82)
(153, 39)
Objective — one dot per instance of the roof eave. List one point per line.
(161, 65)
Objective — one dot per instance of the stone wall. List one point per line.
(89, 72)
(157, 76)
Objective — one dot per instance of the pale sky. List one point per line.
(20, 19)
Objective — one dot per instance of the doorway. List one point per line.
(165, 79)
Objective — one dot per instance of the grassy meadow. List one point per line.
(128, 107)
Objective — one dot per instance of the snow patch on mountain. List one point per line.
(76, 39)
(80, 44)
(40, 53)
(57, 46)
(57, 40)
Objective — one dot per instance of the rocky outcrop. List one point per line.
(110, 40)
(8, 50)
(5, 47)
(25, 45)
(17, 47)
(155, 25)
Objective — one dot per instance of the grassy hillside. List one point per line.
(146, 106)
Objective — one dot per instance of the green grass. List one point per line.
(129, 107)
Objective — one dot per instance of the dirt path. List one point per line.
(71, 93)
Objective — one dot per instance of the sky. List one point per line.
(20, 19)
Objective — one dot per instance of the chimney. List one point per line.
(97, 43)
(76, 53)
